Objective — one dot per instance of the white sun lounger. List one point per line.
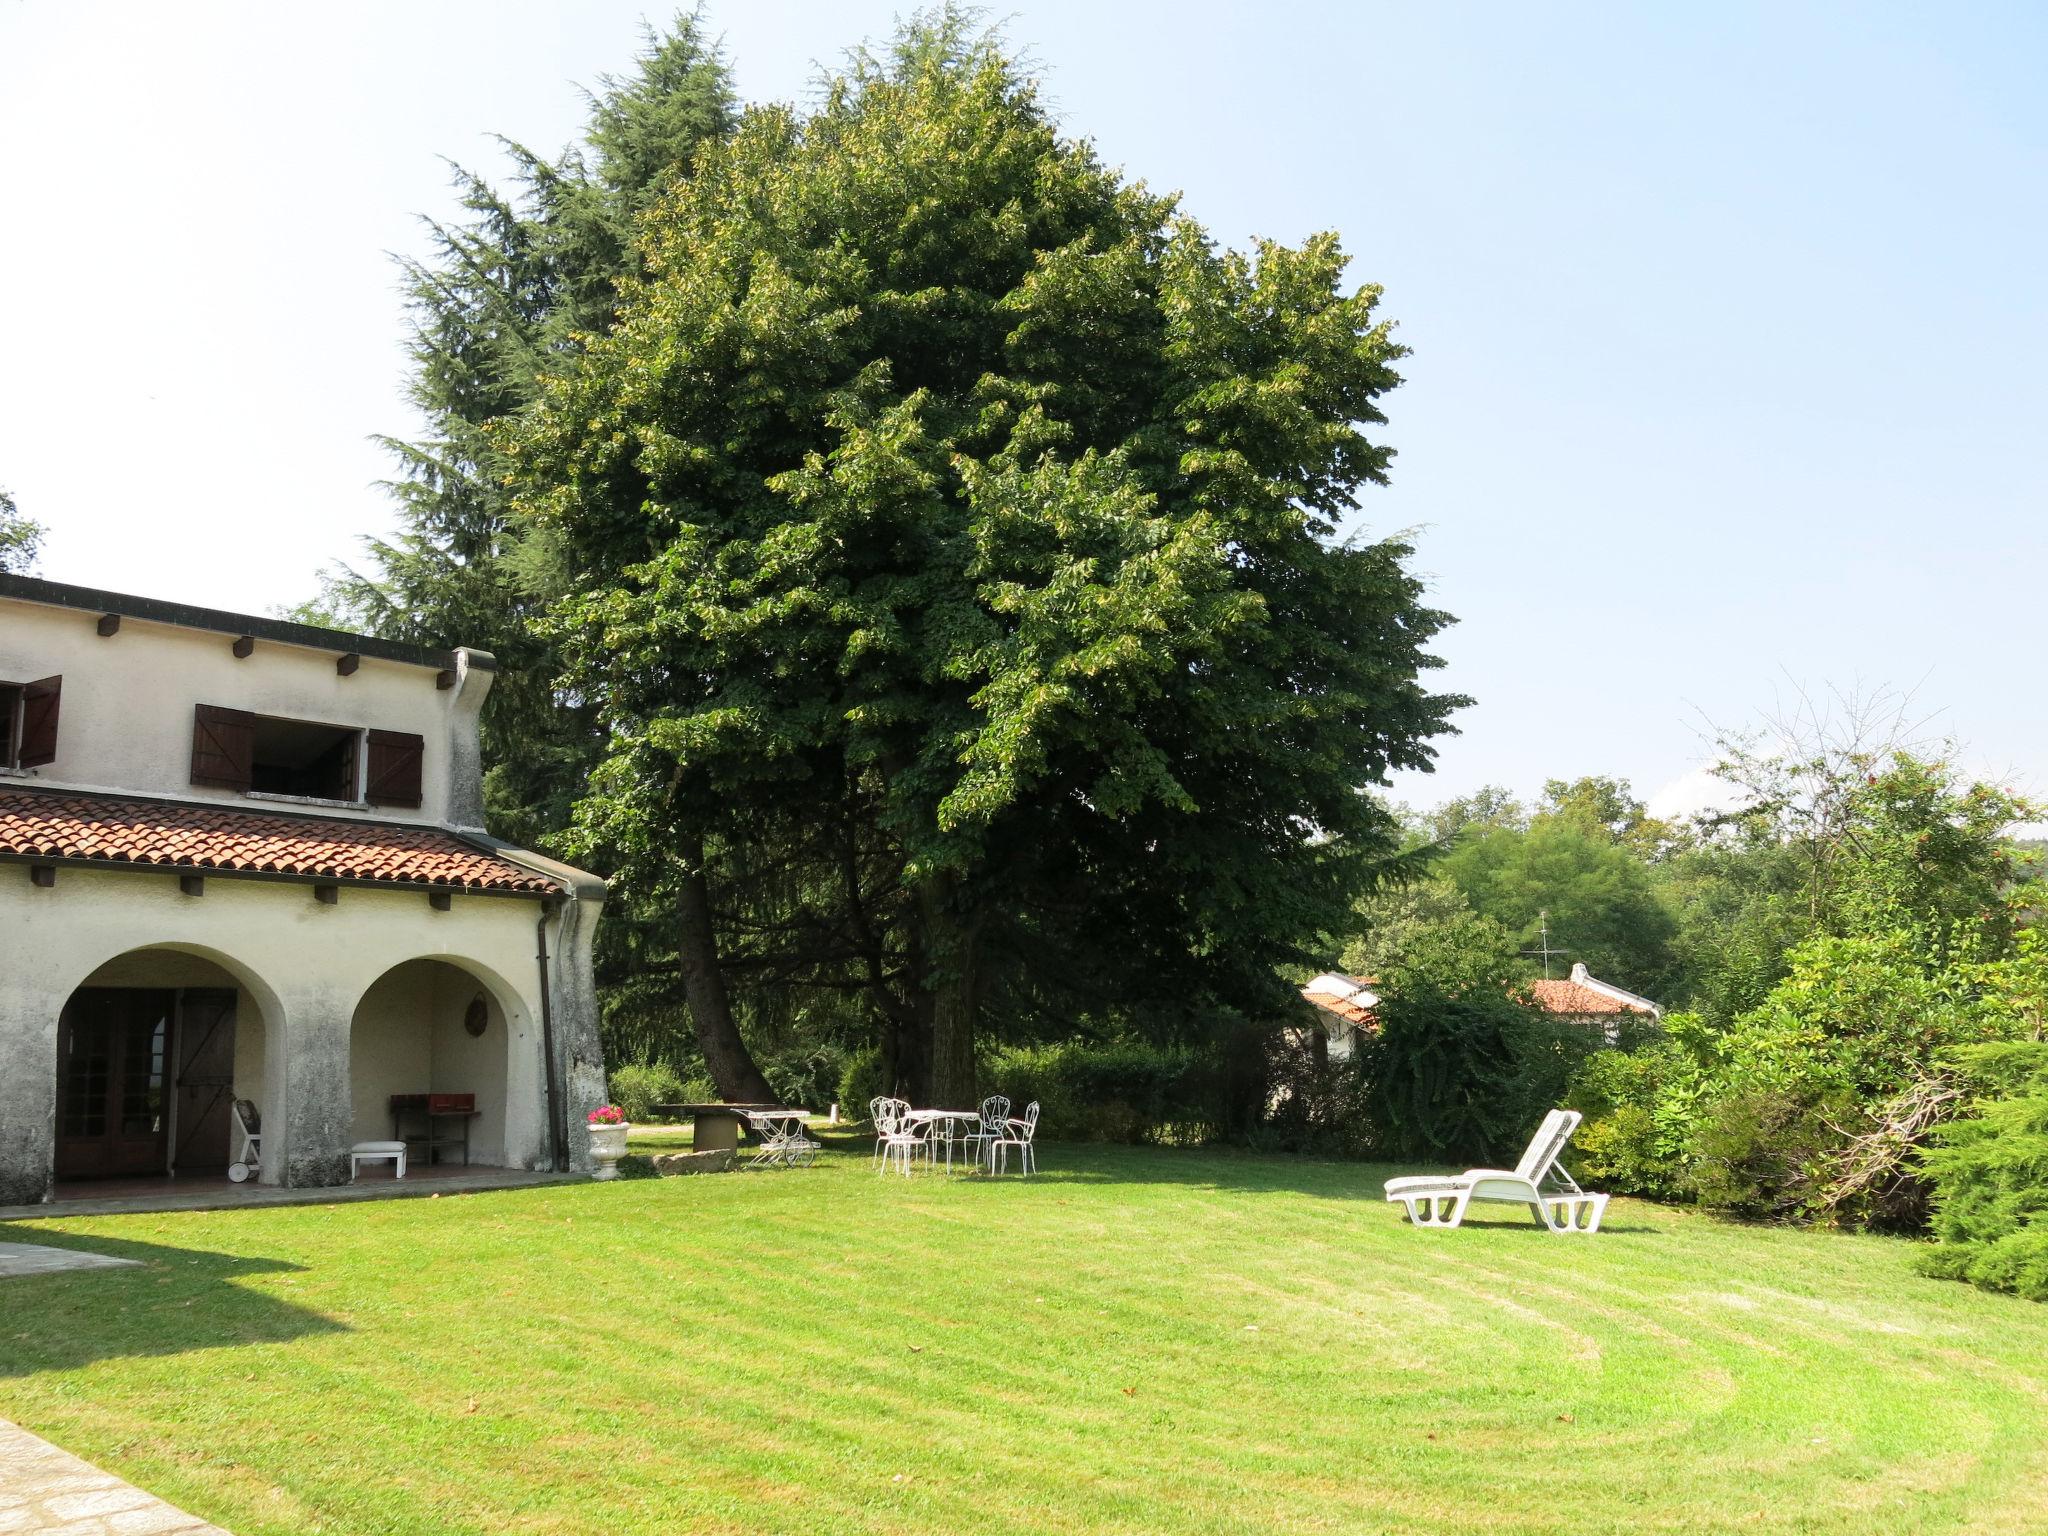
(1439, 1200)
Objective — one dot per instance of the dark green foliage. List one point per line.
(1441, 1078)
(637, 1087)
(860, 1083)
(1123, 1092)
(1622, 1146)
(1603, 907)
(944, 498)
(21, 538)
(1764, 1154)
(808, 1076)
(1990, 1174)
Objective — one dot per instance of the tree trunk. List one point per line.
(726, 1056)
(952, 945)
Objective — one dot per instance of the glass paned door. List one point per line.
(113, 1047)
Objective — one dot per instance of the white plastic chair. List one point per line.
(1018, 1134)
(1438, 1200)
(249, 1152)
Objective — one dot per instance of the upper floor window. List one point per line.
(302, 759)
(28, 722)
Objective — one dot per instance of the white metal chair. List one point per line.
(995, 1115)
(1439, 1200)
(898, 1138)
(1019, 1134)
(249, 1148)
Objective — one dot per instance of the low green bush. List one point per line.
(1128, 1092)
(1767, 1155)
(1990, 1174)
(808, 1076)
(638, 1086)
(860, 1081)
(1628, 1142)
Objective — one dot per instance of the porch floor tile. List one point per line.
(123, 1197)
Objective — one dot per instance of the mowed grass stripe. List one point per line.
(1141, 1341)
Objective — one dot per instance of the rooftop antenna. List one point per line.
(1544, 949)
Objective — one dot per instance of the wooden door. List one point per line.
(205, 1080)
(113, 1104)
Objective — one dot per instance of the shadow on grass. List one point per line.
(179, 1299)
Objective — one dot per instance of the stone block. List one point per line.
(695, 1162)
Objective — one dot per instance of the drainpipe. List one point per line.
(558, 1130)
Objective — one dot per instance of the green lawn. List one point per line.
(1136, 1341)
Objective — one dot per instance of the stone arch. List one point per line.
(410, 1033)
(216, 1018)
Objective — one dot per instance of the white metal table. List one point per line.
(946, 1118)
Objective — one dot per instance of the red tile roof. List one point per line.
(1568, 997)
(1342, 1004)
(37, 824)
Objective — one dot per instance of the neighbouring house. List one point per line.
(244, 859)
(1584, 999)
(1345, 1005)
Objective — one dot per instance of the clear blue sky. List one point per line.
(1729, 321)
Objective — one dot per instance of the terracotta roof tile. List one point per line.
(42, 824)
(1568, 997)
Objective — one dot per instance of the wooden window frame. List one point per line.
(387, 767)
(18, 752)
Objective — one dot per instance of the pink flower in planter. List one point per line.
(611, 1114)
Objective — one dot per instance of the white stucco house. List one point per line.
(244, 859)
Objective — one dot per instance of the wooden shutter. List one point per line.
(223, 746)
(39, 722)
(394, 768)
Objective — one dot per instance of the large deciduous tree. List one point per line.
(529, 275)
(21, 538)
(936, 470)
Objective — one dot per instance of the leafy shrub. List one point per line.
(638, 1086)
(1632, 1140)
(810, 1076)
(1764, 1154)
(1440, 1078)
(1990, 1175)
(1127, 1091)
(1316, 1105)
(860, 1081)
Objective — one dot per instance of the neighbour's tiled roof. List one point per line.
(1329, 993)
(1568, 997)
(37, 824)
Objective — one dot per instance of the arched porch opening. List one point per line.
(154, 1046)
(433, 1062)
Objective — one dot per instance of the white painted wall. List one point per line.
(303, 969)
(408, 1037)
(125, 720)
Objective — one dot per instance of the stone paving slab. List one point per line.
(39, 1259)
(49, 1492)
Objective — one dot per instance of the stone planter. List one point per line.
(607, 1146)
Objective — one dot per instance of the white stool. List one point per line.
(373, 1151)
